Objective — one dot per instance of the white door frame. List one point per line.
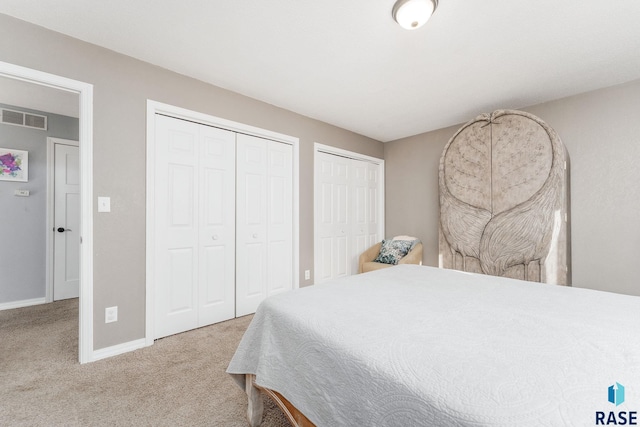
(153, 108)
(317, 147)
(85, 95)
(51, 210)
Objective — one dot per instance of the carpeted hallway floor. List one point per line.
(179, 381)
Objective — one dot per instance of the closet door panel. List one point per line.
(217, 226)
(359, 212)
(347, 208)
(176, 226)
(251, 228)
(265, 221)
(195, 225)
(332, 229)
(372, 204)
(279, 218)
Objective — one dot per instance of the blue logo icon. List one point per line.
(616, 394)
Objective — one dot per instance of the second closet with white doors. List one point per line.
(223, 223)
(349, 210)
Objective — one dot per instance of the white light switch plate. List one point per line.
(111, 314)
(104, 204)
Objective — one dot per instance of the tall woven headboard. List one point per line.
(504, 207)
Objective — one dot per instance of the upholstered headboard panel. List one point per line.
(504, 205)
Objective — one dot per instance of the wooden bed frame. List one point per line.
(255, 407)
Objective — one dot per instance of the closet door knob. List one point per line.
(62, 229)
(215, 237)
(255, 235)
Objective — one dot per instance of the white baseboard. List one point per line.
(115, 350)
(21, 303)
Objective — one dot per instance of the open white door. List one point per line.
(66, 241)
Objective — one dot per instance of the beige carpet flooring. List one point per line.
(179, 381)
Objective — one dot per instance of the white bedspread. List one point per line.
(414, 345)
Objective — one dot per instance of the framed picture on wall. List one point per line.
(14, 165)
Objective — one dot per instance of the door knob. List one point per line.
(62, 230)
(215, 237)
(255, 235)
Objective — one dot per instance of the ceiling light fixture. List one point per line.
(412, 14)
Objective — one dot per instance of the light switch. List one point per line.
(104, 204)
(111, 314)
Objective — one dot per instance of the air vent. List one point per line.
(18, 118)
(12, 117)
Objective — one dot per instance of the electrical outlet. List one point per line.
(111, 314)
(307, 274)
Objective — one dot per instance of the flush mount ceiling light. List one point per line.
(412, 14)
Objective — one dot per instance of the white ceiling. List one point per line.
(349, 64)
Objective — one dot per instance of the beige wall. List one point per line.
(122, 86)
(601, 131)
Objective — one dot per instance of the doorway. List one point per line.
(84, 91)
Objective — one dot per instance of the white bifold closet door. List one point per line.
(347, 213)
(365, 216)
(195, 225)
(223, 226)
(264, 231)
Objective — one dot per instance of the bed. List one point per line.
(415, 345)
(458, 346)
